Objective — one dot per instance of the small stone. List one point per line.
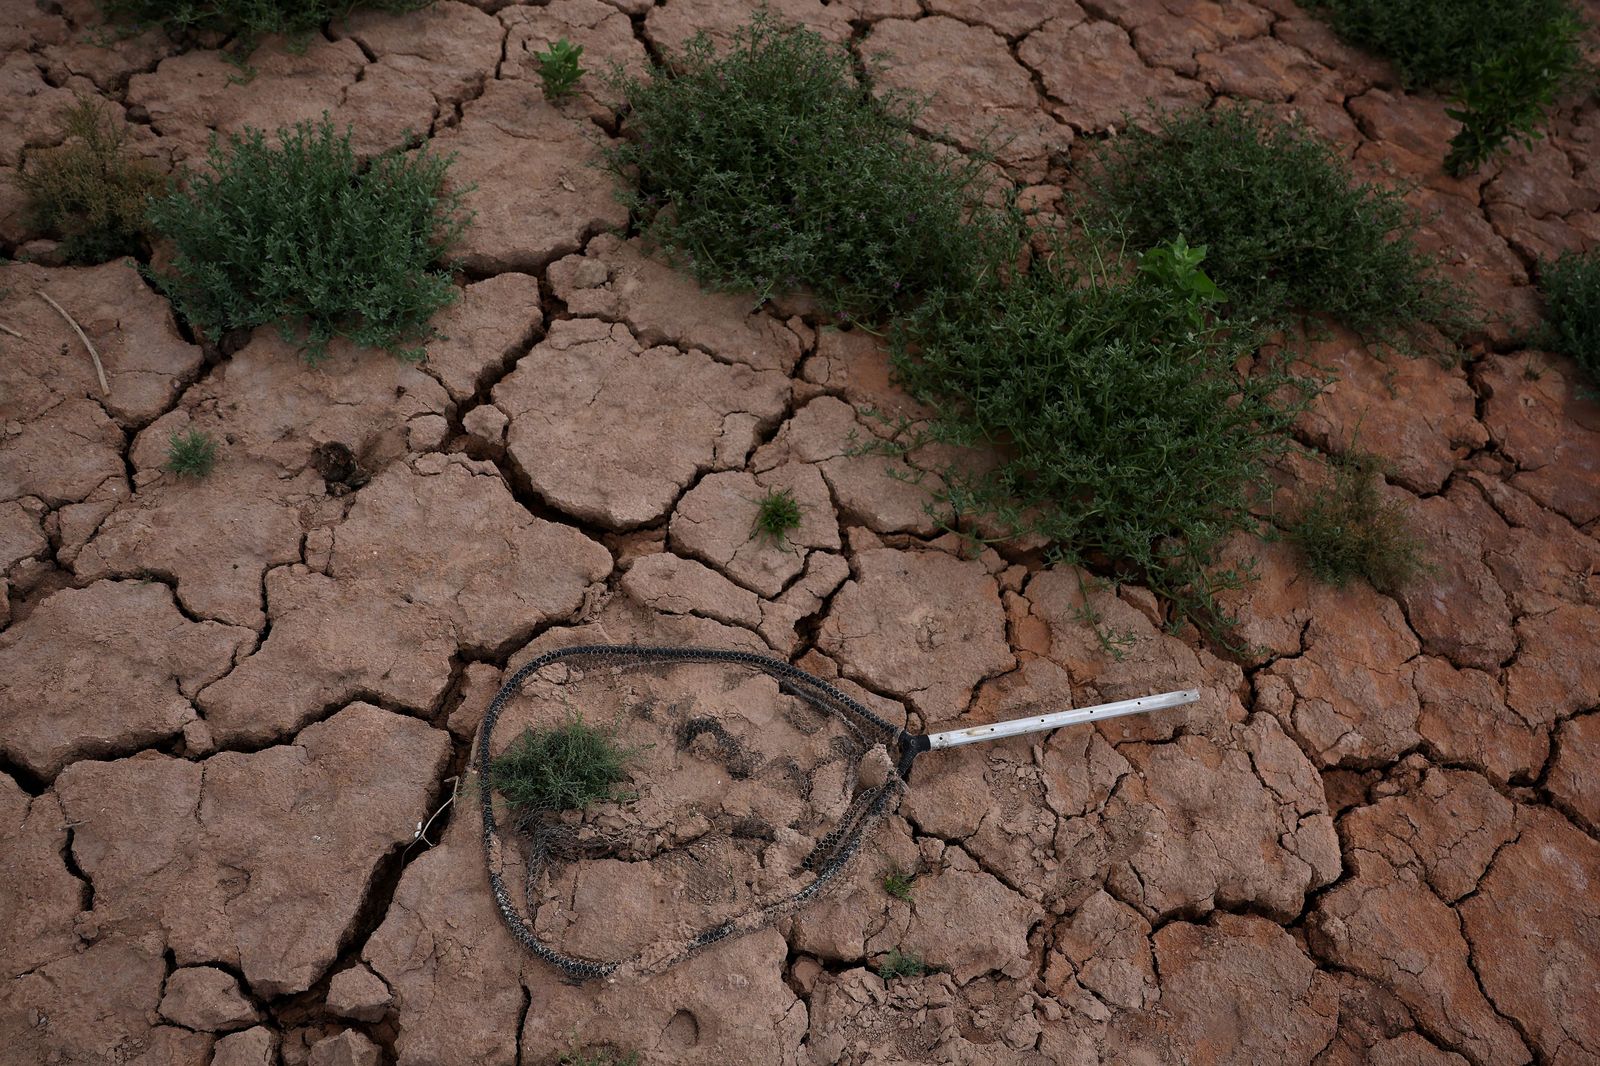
(207, 999)
(428, 433)
(349, 1048)
(487, 423)
(253, 1047)
(359, 994)
(198, 739)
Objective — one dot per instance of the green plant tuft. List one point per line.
(1285, 226)
(901, 964)
(250, 20)
(559, 768)
(299, 234)
(1352, 531)
(1506, 62)
(772, 168)
(897, 883)
(598, 1057)
(559, 69)
(777, 515)
(89, 192)
(1571, 288)
(1125, 433)
(191, 454)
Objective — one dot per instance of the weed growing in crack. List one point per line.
(1126, 432)
(1352, 531)
(90, 192)
(772, 167)
(1286, 227)
(598, 1057)
(897, 883)
(1571, 289)
(249, 20)
(559, 69)
(1506, 62)
(901, 964)
(191, 453)
(300, 234)
(559, 768)
(777, 515)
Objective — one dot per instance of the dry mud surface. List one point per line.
(226, 705)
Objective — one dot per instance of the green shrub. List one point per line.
(559, 69)
(901, 964)
(777, 515)
(773, 168)
(89, 192)
(300, 235)
(1286, 227)
(249, 19)
(1125, 433)
(1352, 531)
(1571, 288)
(559, 768)
(897, 883)
(1506, 62)
(191, 454)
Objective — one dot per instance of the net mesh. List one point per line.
(747, 786)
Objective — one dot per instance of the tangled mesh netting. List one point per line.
(750, 785)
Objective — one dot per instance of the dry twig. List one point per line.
(99, 369)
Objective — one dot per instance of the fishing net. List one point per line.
(747, 788)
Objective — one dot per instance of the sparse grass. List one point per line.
(770, 168)
(1287, 228)
(1352, 531)
(89, 192)
(191, 454)
(1126, 433)
(777, 515)
(901, 964)
(301, 235)
(559, 768)
(250, 20)
(897, 883)
(559, 69)
(599, 1057)
(1506, 62)
(1571, 288)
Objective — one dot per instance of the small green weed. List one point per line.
(559, 69)
(1126, 433)
(1571, 288)
(600, 1057)
(191, 453)
(299, 234)
(1506, 62)
(559, 768)
(777, 515)
(1285, 227)
(250, 20)
(898, 884)
(901, 964)
(772, 168)
(1353, 531)
(89, 191)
